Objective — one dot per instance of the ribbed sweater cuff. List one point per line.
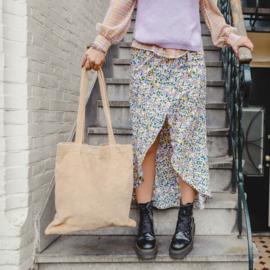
(233, 38)
(102, 42)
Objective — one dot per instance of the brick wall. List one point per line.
(42, 45)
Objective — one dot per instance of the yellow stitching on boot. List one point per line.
(147, 250)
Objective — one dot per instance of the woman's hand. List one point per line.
(93, 59)
(243, 41)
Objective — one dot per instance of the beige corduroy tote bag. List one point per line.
(93, 184)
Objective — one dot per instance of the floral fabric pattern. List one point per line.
(168, 95)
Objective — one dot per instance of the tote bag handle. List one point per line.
(79, 139)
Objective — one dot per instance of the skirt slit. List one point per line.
(147, 148)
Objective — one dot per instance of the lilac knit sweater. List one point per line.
(169, 24)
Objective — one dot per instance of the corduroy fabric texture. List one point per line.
(93, 184)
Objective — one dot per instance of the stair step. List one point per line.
(253, 11)
(127, 81)
(214, 163)
(206, 32)
(220, 162)
(128, 131)
(125, 104)
(121, 69)
(117, 61)
(120, 114)
(218, 218)
(217, 139)
(117, 252)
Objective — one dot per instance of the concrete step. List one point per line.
(120, 114)
(217, 140)
(92, 131)
(211, 52)
(117, 252)
(121, 69)
(118, 90)
(218, 218)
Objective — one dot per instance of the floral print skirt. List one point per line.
(167, 95)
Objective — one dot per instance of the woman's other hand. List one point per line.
(93, 59)
(242, 42)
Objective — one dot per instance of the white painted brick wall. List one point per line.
(41, 48)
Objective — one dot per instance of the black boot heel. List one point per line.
(146, 245)
(182, 240)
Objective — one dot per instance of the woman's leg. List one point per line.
(146, 244)
(144, 191)
(187, 192)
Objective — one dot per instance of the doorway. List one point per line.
(257, 186)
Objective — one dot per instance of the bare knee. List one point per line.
(151, 151)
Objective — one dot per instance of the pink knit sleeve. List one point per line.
(223, 35)
(115, 24)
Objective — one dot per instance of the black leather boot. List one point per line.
(146, 245)
(182, 240)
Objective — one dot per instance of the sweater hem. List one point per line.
(180, 46)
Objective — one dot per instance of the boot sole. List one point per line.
(180, 254)
(146, 254)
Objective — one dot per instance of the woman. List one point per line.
(167, 106)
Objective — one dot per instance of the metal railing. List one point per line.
(257, 12)
(238, 85)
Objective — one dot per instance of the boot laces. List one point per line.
(183, 224)
(146, 219)
(184, 219)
